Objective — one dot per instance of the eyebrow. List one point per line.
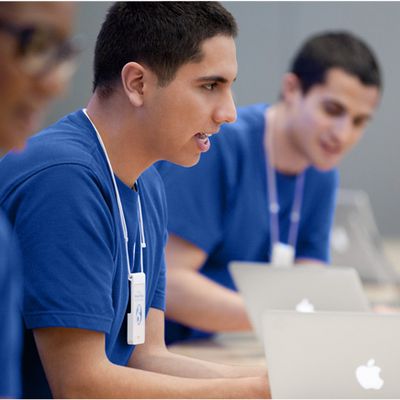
(366, 117)
(334, 102)
(213, 78)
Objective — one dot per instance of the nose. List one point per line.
(226, 110)
(342, 130)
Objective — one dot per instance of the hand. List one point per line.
(260, 388)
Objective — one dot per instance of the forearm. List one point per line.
(196, 301)
(167, 362)
(76, 366)
(112, 381)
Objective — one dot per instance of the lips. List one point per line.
(331, 148)
(203, 141)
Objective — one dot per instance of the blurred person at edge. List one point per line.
(36, 57)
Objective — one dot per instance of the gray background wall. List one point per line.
(270, 33)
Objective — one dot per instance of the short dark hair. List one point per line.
(162, 35)
(329, 50)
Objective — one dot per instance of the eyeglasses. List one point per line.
(41, 50)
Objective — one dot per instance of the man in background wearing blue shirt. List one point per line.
(30, 36)
(89, 209)
(266, 189)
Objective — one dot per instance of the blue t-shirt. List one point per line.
(221, 204)
(10, 319)
(59, 195)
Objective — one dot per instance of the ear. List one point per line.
(291, 88)
(133, 80)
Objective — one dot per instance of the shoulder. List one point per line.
(68, 143)
(239, 139)
(249, 123)
(71, 139)
(320, 185)
(251, 116)
(238, 144)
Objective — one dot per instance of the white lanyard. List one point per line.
(274, 209)
(121, 210)
(136, 318)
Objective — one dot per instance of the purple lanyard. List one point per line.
(274, 205)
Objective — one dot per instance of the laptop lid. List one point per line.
(356, 241)
(301, 288)
(332, 354)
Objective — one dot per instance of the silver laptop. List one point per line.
(356, 241)
(301, 288)
(332, 354)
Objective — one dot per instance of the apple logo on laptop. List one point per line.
(305, 306)
(368, 375)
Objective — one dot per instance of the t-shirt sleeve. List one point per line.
(195, 198)
(159, 294)
(67, 235)
(10, 324)
(314, 237)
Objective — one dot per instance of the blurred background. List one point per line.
(270, 33)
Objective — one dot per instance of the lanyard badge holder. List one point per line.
(136, 318)
(282, 254)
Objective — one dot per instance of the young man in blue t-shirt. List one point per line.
(29, 78)
(90, 209)
(266, 189)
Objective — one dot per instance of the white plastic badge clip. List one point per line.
(137, 316)
(282, 255)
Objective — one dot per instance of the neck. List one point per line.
(121, 138)
(283, 153)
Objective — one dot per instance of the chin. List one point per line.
(186, 162)
(326, 166)
(326, 162)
